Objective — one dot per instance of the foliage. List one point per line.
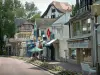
(45, 65)
(10, 10)
(38, 62)
(32, 19)
(74, 10)
(67, 73)
(31, 10)
(7, 26)
(57, 68)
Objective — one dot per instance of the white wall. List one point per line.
(63, 19)
(50, 13)
(61, 33)
(59, 29)
(62, 47)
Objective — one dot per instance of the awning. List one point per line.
(49, 43)
(35, 49)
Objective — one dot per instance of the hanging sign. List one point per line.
(48, 33)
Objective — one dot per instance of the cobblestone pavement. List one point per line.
(10, 66)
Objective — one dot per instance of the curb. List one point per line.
(38, 66)
(43, 68)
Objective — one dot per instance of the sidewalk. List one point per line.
(68, 66)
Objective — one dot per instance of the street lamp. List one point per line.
(96, 12)
(97, 59)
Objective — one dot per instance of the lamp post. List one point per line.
(96, 12)
(97, 59)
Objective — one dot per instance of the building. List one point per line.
(24, 33)
(43, 25)
(61, 32)
(80, 27)
(56, 9)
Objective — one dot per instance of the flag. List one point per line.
(35, 31)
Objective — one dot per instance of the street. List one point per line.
(10, 66)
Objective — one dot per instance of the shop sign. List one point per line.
(48, 33)
(84, 44)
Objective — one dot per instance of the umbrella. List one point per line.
(35, 49)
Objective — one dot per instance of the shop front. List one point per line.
(80, 50)
(52, 50)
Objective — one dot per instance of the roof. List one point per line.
(60, 6)
(83, 15)
(44, 22)
(19, 21)
(27, 23)
(22, 21)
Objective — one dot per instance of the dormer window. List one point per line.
(53, 10)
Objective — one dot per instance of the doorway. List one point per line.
(52, 49)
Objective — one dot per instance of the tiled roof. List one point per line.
(19, 21)
(62, 7)
(22, 21)
(44, 22)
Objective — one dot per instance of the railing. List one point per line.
(83, 9)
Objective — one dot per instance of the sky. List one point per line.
(43, 4)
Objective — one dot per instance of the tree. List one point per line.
(7, 15)
(74, 10)
(9, 11)
(32, 19)
(31, 10)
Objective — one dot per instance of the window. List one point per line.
(53, 10)
(73, 53)
(76, 28)
(86, 27)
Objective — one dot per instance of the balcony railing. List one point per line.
(83, 9)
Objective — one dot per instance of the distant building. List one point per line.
(24, 33)
(56, 9)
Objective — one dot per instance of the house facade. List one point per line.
(24, 32)
(61, 32)
(81, 27)
(43, 26)
(57, 10)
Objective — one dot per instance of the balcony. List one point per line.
(84, 9)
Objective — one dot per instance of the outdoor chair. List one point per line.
(86, 70)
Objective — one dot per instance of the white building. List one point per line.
(57, 45)
(56, 9)
(61, 32)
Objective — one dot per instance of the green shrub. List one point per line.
(20, 57)
(37, 62)
(57, 68)
(44, 64)
(67, 73)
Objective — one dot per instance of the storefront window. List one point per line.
(73, 54)
(86, 27)
(87, 55)
(76, 29)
